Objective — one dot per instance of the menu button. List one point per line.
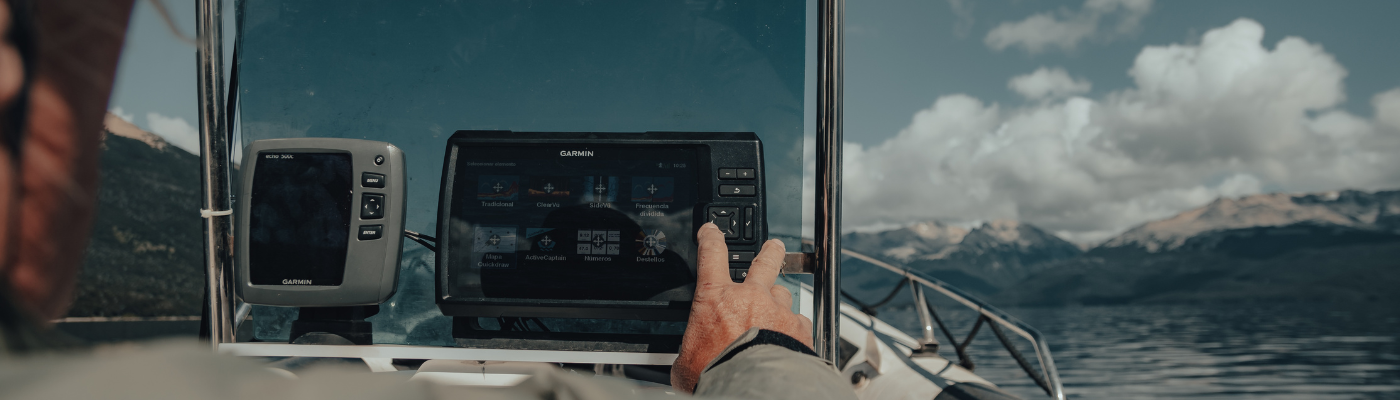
(372, 180)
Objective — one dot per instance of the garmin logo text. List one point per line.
(296, 281)
(576, 153)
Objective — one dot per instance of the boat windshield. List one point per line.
(412, 74)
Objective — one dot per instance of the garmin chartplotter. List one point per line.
(320, 222)
(591, 225)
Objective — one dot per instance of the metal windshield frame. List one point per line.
(825, 262)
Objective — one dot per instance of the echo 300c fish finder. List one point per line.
(320, 222)
(591, 225)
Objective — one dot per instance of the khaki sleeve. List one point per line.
(760, 365)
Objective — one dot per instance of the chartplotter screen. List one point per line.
(566, 224)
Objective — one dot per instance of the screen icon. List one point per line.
(541, 239)
(599, 242)
(600, 189)
(494, 246)
(547, 188)
(497, 187)
(651, 242)
(661, 189)
(494, 239)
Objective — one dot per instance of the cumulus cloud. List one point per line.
(174, 130)
(1225, 117)
(1388, 108)
(117, 111)
(1065, 28)
(1046, 83)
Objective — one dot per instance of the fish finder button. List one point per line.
(737, 190)
(371, 232)
(727, 173)
(727, 220)
(745, 173)
(748, 223)
(738, 274)
(741, 256)
(372, 180)
(372, 206)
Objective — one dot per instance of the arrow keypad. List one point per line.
(728, 221)
(737, 222)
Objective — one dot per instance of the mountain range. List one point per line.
(1334, 246)
(1349, 209)
(982, 259)
(145, 256)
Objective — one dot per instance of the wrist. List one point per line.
(759, 337)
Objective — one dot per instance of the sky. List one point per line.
(1087, 118)
(1082, 117)
(156, 82)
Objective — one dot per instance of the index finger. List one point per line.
(714, 256)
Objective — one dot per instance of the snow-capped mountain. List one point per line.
(1339, 246)
(934, 240)
(1323, 247)
(984, 258)
(117, 126)
(1359, 210)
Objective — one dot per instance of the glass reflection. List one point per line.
(412, 72)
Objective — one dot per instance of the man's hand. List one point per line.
(723, 310)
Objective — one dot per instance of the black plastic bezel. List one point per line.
(714, 150)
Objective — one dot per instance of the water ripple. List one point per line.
(1279, 351)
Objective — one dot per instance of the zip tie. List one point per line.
(206, 213)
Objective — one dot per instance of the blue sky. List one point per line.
(155, 86)
(903, 54)
(1090, 117)
(1123, 111)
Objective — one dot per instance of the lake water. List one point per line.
(1275, 351)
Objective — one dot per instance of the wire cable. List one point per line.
(426, 241)
(870, 308)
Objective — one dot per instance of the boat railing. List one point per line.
(1047, 377)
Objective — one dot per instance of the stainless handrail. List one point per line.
(826, 280)
(926, 322)
(214, 170)
(1042, 348)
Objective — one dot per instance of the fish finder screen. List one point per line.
(567, 224)
(299, 218)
